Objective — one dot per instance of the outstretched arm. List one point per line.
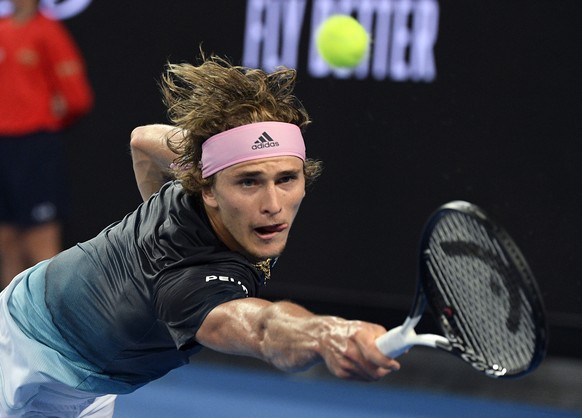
(151, 156)
(292, 338)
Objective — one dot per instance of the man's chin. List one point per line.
(265, 254)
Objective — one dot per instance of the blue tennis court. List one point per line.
(217, 390)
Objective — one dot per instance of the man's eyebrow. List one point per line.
(248, 173)
(290, 172)
(257, 173)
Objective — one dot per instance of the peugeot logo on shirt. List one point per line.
(228, 279)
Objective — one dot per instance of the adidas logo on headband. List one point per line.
(265, 141)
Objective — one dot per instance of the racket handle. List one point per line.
(395, 342)
(400, 339)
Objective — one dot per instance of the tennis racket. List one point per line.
(480, 290)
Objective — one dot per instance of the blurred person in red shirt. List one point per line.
(43, 89)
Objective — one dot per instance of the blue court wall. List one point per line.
(458, 100)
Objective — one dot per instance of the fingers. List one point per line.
(369, 366)
(361, 370)
(350, 352)
(360, 359)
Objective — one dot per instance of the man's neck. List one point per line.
(24, 14)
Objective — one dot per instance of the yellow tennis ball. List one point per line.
(342, 41)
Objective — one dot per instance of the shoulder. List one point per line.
(172, 188)
(173, 198)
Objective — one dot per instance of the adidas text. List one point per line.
(265, 145)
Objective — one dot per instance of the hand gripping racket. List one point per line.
(482, 293)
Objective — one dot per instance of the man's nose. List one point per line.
(271, 201)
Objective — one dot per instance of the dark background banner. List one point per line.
(488, 112)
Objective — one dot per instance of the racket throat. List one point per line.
(399, 340)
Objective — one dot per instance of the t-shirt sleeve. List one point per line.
(184, 297)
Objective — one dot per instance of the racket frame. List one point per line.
(400, 339)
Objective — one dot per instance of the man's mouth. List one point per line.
(269, 231)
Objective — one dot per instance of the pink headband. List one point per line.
(251, 142)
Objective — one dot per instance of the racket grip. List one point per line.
(396, 341)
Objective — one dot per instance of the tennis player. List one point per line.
(184, 270)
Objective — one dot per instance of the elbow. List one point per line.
(136, 137)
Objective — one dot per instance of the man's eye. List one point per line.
(247, 182)
(287, 179)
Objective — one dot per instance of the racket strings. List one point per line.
(479, 310)
(462, 302)
(469, 342)
(488, 340)
(479, 287)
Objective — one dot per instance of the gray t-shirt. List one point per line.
(128, 303)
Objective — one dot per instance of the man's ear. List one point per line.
(208, 197)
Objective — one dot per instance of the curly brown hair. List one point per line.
(215, 96)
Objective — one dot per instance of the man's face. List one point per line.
(252, 205)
